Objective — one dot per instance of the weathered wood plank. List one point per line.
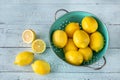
(61, 1)
(7, 56)
(60, 76)
(10, 35)
(44, 14)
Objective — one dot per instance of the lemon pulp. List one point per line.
(28, 36)
(38, 46)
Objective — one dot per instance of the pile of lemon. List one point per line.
(78, 44)
(25, 58)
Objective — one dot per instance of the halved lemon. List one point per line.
(38, 46)
(28, 36)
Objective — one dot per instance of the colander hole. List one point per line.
(66, 21)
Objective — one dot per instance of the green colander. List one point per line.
(77, 16)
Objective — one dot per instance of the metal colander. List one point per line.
(77, 16)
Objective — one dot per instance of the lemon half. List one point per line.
(28, 36)
(38, 46)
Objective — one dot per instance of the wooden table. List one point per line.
(18, 15)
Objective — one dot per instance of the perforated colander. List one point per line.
(77, 16)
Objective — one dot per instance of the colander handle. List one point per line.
(98, 68)
(59, 10)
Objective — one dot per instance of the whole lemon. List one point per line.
(74, 57)
(81, 38)
(24, 58)
(89, 24)
(59, 38)
(70, 46)
(87, 53)
(41, 67)
(71, 28)
(96, 41)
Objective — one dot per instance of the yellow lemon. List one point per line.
(70, 46)
(96, 41)
(41, 67)
(81, 39)
(28, 36)
(89, 24)
(38, 46)
(87, 53)
(74, 57)
(71, 28)
(24, 58)
(59, 38)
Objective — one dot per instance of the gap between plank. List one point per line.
(52, 72)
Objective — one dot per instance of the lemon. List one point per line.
(41, 67)
(81, 39)
(70, 46)
(38, 46)
(59, 38)
(24, 58)
(71, 28)
(74, 57)
(87, 53)
(89, 24)
(97, 41)
(28, 36)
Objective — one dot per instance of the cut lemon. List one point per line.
(28, 36)
(38, 46)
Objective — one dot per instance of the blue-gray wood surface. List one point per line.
(18, 15)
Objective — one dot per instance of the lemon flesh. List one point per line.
(24, 58)
(87, 53)
(96, 41)
(41, 67)
(71, 28)
(74, 57)
(89, 24)
(59, 38)
(81, 39)
(28, 36)
(38, 46)
(70, 46)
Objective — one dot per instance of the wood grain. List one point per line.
(60, 76)
(60, 2)
(40, 14)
